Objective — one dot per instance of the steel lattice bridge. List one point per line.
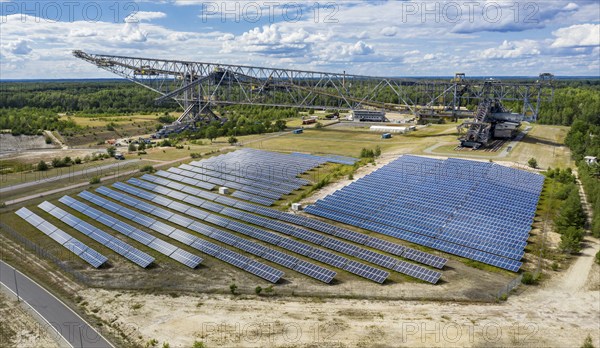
(198, 86)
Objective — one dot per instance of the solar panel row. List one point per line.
(89, 255)
(131, 253)
(140, 236)
(231, 239)
(264, 271)
(373, 242)
(288, 244)
(462, 207)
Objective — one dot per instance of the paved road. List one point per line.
(88, 171)
(68, 324)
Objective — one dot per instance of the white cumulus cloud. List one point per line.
(581, 35)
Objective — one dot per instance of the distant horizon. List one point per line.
(564, 77)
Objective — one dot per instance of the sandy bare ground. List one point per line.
(19, 329)
(558, 313)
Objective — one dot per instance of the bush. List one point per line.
(198, 344)
(77, 160)
(532, 163)
(95, 180)
(131, 147)
(232, 140)
(350, 176)
(111, 150)
(196, 155)
(67, 161)
(587, 343)
(233, 288)
(318, 125)
(42, 166)
(269, 289)
(48, 140)
(377, 151)
(258, 290)
(147, 169)
(598, 257)
(57, 162)
(529, 279)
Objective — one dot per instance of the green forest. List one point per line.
(29, 107)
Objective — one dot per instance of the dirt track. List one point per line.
(558, 313)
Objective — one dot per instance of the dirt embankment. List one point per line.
(10, 143)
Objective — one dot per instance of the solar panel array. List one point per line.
(324, 274)
(329, 158)
(286, 243)
(89, 255)
(478, 210)
(343, 233)
(257, 233)
(264, 271)
(140, 236)
(131, 253)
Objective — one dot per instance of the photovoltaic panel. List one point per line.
(280, 258)
(372, 242)
(186, 258)
(376, 258)
(328, 258)
(138, 257)
(144, 237)
(418, 272)
(294, 246)
(315, 271)
(204, 246)
(207, 247)
(368, 272)
(267, 272)
(86, 253)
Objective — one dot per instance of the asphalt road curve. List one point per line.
(67, 323)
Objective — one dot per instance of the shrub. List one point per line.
(57, 162)
(318, 125)
(131, 147)
(598, 257)
(532, 163)
(529, 279)
(233, 288)
(67, 160)
(587, 343)
(198, 344)
(111, 150)
(48, 140)
(95, 180)
(377, 151)
(350, 176)
(196, 155)
(42, 166)
(77, 160)
(258, 290)
(147, 169)
(269, 289)
(232, 140)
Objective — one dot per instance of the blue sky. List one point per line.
(385, 38)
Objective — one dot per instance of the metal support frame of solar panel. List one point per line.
(372, 242)
(129, 252)
(87, 254)
(283, 242)
(301, 248)
(264, 271)
(157, 244)
(389, 182)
